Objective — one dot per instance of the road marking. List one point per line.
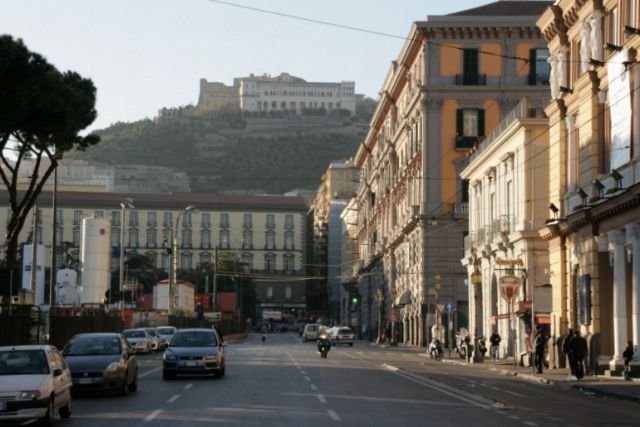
(173, 398)
(153, 415)
(303, 372)
(333, 415)
(514, 393)
(149, 372)
(188, 386)
(313, 387)
(322, 399)
(514, 417)
(530, 423)
(307, 378)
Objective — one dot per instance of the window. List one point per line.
(205, 258)
(205, 239)
(247, 262)
(271, 222)
(168, 219)
(59, 216)
(247, 239)
(271, 240)
(224, 220)
(539, 68)
(77, 217)
(133, 238)
(206, 220)
(287, 292)
(186, 219)
(288, 222)
(469, 127)
(270, 263)
(115, 238)
(613, 27)
(186, 238)
(133, 218)
(186, 261)
(288, 263)
(76, 237)
(224, 239)
(632, 13)
(247, 223)
(58, 236)
(269, 292)
(98, 214)
(288, 241)
(151, 219)
(152, 237)
(115, 218)
(470, 69)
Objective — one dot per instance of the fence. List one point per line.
(20, 324)
(67, 322)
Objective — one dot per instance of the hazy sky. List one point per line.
(143, 55)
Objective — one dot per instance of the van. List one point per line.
(311, 331)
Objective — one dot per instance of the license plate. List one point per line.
(3, 406)
(84, 381)
(191, 363)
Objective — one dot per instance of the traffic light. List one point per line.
(355, 302)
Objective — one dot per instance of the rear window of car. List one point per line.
(134, 334)
(345, 331)
(166, 331)
(194, 339)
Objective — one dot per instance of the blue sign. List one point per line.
(449, 308)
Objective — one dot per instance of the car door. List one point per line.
(132, 362)
(61, 383)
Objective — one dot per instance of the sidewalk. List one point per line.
(614, 387)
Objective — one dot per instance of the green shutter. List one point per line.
(480, 122)
(532, 66)
(459, 123)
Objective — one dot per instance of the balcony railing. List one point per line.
(471, 79)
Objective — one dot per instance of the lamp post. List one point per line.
(476, 281)
(124, 205)
(380, 302)
(437, 283)
(174, 260)
(52, 281)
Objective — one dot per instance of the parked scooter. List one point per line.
(435, 349)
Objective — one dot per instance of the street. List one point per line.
(285, 382)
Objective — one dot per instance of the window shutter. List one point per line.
(459, 123)
(480, 122)
(532, 66)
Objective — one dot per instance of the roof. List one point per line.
(506, 8)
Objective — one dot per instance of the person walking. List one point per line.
(538, 344)
(579, 349)
(566, 350)
(627, 355)
(495, 339)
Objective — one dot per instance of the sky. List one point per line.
(143, 55)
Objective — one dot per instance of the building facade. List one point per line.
(266, 234)
(594, 164)
(454, 79)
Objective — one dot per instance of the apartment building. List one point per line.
(594, 171)
(267, 234)
(455, 78)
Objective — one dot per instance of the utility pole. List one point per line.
(215, 279)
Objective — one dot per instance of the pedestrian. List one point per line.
(579, 349)
(566, 350)
(627, 355)
(495, 339)
(538, 344)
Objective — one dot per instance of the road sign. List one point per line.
(449, 308)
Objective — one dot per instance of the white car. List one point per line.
(311, 331)
(165, 333)
(342, 335)
(35, 382)
(139, 340)
(155, 338)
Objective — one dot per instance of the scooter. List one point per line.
(324, 345)
(435, 349)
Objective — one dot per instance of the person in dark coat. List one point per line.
(627, 355)
(566, 350)
(495, 339)
(538, 345)
(579, 350)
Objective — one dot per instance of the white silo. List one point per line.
(67, 291)
(95, 259)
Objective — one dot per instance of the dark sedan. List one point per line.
(194, 352)
(101, 362)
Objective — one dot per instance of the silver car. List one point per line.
(155, 338)
(35, 382)
(139, 339)
(165, 333)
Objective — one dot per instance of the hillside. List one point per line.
(230, 154)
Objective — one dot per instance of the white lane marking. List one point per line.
(173, 398)
(307, 378)
(303, 372)
(313, 387)
(333, 415)
(530, 423)
(514, 417)
(322, 399)
(149, 372)
(514, 393)
(188, 386)
(153, 415)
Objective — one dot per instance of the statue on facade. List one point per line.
(595, 22)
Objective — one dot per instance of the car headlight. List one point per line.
(112, 366)
(210, 356)
(29, 395)
(169, 356)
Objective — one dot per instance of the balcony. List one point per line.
(466, 142)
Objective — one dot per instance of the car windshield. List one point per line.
(345, 331)
(152, 332)
(23, 362)
(194, 339)
(166, 331)
(93, 345)
(134, 334)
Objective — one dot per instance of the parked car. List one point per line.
(101, 361)
(139, 339)
(165, 333)
(35, 382)
(342, 335)
(196, 351)
(311, 331)
(155, 339)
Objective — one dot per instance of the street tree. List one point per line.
(42, 112)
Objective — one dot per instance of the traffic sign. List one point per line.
(449, 308)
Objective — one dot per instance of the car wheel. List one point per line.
(65, 411)
(166, 375)
(133, 386)
(47, 420)
(124, 389)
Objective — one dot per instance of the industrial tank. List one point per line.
(95, 259)
(67, 291)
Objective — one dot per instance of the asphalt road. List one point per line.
(285, 383)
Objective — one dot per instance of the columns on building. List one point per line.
(616, 247)
(633, 236)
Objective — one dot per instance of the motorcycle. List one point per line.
(324, 345)
(435, 349)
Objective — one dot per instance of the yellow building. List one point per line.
(455, 78)
(594, 168)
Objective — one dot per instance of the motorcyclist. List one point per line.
(323, 343)
(264, 333)
(435, 349)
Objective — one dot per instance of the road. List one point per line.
(284, 382)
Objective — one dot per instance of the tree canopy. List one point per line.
(42, 112)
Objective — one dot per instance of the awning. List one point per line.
(404, 298)
(543, 319)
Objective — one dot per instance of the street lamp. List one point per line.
(174, 260)
(380, 300)
(124, 205)
(437, 283)
(476, 282)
